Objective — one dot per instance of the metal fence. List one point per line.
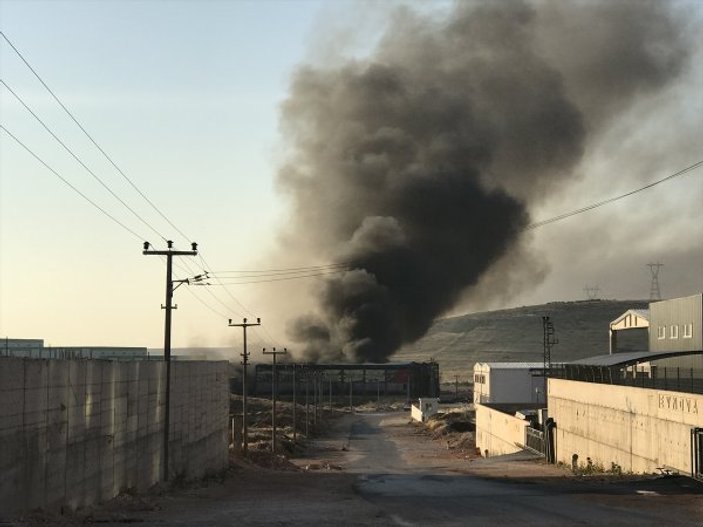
(688, 380)
(534, 440)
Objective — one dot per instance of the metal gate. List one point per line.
(534, 440)
(697, 453)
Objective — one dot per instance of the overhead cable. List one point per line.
(289, 270)
(80, 162)
(98, 207)
(279, 279)
(90, 137)
(613, 199)
(103, 152)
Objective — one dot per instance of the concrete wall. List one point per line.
(497, 432)
(637, 428)
(73, 433)
(427, 407)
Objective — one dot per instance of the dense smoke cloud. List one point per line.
(417, 165)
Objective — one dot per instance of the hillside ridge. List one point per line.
(515, 334)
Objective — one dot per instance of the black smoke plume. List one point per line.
(417, 165)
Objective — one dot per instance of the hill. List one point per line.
(456, 343)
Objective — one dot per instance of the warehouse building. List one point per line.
(412, 379)
(35, 349)
(509, 382)
(630, 331)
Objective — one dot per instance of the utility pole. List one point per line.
(273, 354)
(295, 404)
(307, 402)
(245, 361)
(316, 396)
(169, 253)
(549, 340)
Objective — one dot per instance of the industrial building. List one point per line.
(630, 331)
(412, 379)
(638, 411)
(35, 349)
(668, 325)
(509, 382)
(677, 324)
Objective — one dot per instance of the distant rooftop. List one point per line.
(511, 365)
(632, 357)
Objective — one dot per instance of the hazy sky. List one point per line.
(185, 97)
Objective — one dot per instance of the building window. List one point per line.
(661, 332)
(673, 332)
(688, 331)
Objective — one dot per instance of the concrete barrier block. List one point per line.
(92, 473)
(11, 374)
(55, 477)
(34, 461)
(11, 471)
(120, 477)
(75, 472)
(76, 401)
(11, 416)
(107, 468)
(143, 463)
(35, 394)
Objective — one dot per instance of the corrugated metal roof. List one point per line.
(632, 357)
(511, 365)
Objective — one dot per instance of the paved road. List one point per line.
(394, 476)
(398, 474)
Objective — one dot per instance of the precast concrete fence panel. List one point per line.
(77, 432)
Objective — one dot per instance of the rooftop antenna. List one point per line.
(654, 291)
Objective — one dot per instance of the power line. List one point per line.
(285, 270)
(235, 300)
(291, 275)
(103, 211)
(95, 176)
(103, 152)
(280, 279)
(613, 199)
(208, 306)
(90, 137)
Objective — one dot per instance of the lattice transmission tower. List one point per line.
(592, 292)
(654, 291)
